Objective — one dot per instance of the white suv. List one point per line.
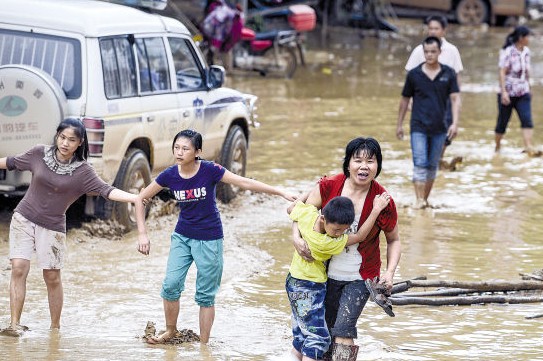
(134, 78)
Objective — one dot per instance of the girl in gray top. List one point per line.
(60, 175)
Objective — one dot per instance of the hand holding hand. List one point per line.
(146, 201)
(289, 197)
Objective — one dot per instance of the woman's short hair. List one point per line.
(369, 146)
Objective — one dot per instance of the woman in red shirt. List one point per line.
(348, 271)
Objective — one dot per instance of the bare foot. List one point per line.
(165, 337)
(420, 204)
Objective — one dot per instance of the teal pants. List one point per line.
(207, 255)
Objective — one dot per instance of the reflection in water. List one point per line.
(486, 224)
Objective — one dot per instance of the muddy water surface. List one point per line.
(486, 224)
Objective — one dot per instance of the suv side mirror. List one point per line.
(215, 76)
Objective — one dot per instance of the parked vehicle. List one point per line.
(469, 12)
(269, 53)
(273, 52)
(135, 79)
(369, 14)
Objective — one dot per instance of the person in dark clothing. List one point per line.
(430, 85)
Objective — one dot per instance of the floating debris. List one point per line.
(109, 229)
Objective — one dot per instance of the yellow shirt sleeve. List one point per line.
(321, 245)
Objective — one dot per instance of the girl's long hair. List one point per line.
(515, 35)
(82, 152)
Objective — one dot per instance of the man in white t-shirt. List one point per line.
(437, 26)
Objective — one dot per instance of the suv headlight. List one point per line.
(250, 103)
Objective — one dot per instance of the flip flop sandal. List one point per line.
(14, 332)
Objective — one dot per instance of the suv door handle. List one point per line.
(150, 119)
(186, 114)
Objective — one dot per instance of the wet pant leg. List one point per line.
(311, 336)
(351, 300)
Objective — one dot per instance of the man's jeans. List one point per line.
(426, 150)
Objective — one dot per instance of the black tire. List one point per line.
(134, 174)
(287, 62)
(233, 158)
(342, 11)
(507, 21)
(472, 12)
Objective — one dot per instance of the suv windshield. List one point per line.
(58, 56)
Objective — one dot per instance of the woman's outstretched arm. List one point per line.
(254, 185)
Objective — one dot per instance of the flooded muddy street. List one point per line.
(486, 223)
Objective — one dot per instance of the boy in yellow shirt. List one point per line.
(306, 281)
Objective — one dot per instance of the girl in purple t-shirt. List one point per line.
(198, 235)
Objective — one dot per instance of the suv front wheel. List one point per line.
(233, 158)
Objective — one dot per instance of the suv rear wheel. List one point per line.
(233, 158)
(471, 12)
(134, 174)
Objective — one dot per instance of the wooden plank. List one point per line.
(467, 300)
(481, 286)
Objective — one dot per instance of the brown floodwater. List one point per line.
(486, 223)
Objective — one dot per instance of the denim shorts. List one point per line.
(208, 256)
(426, 150)
(311, 337)
(522, 105)
(344, 303)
